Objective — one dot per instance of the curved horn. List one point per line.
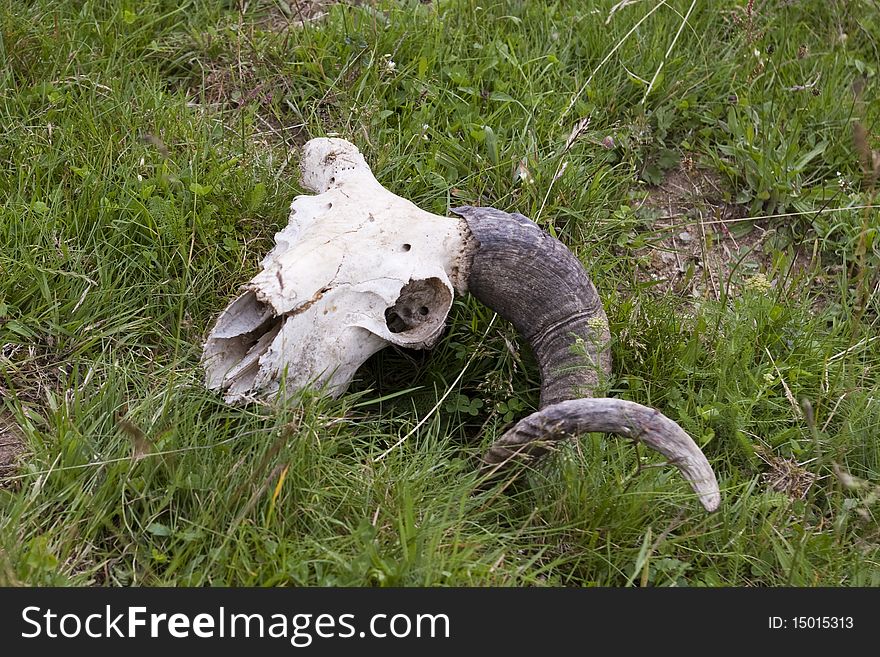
(536, 283)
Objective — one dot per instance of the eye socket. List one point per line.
(420, 308)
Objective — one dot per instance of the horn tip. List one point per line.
(710, 500)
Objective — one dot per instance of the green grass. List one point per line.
(149, 153)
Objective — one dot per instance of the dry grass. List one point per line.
(785, 475)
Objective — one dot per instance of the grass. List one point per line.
(149, 154)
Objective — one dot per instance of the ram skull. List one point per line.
(358, 268)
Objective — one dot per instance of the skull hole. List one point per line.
(422, 303)
(241, 337)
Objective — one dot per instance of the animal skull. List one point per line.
(358, 268)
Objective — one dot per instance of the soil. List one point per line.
(12, 446)
(700, 245)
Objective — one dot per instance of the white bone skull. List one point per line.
(357, 268)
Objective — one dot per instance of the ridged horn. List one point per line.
(532, 280)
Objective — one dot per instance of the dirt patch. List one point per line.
(283, 15)
(33, 371)
(29, 374)
(12, 446)
(288, 14)
(698, 243)
(232, 88)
